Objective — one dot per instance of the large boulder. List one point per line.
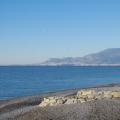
(81, 100)
(86, 94)
(99, 95)
(107, 94)
(71, 101)
(48, 101)
(115, 94)
(52, 101)
(44, 103)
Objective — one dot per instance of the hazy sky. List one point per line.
(33, 30)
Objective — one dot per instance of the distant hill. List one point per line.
(109, 56)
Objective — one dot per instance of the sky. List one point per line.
(32, 31)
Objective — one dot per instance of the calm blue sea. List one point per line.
(28, 80)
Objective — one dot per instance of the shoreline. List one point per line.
(16, 108)
(59, 91)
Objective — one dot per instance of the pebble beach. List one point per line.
(96, 103)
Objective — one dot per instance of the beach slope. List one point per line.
(27, 108)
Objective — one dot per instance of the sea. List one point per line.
(18, 81)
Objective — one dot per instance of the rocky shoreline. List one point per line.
(96, 103)
(81, 97)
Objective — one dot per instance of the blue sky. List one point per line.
(32, 31)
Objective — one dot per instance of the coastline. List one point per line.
(21, 108)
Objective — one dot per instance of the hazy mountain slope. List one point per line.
(107, 57)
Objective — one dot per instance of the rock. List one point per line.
(53, 100)
(46, 100)
(107, 94)
(81, 100)
(98, 95)
(115, 94)
(85, 94)
(43, 104)
(71, 101)
(60, 101)
(91, 96)
(81, 97)
(50, 101)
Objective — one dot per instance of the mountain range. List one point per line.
(106, 57)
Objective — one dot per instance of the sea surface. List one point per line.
(29, 80)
